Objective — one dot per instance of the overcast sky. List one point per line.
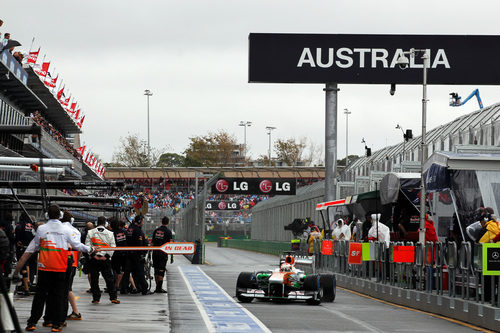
(193, 56)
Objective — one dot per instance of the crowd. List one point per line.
(55, 134)
(54, 250)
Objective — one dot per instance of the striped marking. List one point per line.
(324, 205)
(218, 310)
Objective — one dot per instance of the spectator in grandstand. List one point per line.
(5, 40)
(19, 57)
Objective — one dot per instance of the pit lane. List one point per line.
(349, 312)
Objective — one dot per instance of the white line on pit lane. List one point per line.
(211, 326)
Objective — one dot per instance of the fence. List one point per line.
(189, 225)
(442, 278)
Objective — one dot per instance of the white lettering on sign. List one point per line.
(285, 187)
(379, 58)
(243, 186)
(209, 205)
(232, 205)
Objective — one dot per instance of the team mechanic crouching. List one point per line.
(100, 262)
(161, 235)
(52, 240)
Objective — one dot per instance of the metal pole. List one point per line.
(148, 93)
(330, 141)
(269, 130)
(347, 113)
(196, 198)
(245, 145)
(421, 236)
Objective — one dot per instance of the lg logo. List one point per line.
(265, 186)
(222, 205)
(222, 185)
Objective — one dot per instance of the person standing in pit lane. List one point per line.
(68, 220)
(52, 240)
(119, 258)
(161, 235)
(100, 262)
(24, 233)
(135, 259)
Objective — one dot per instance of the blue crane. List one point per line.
(455, 99)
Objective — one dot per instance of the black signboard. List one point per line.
(324, 58)
(269, 186)
(222, 205)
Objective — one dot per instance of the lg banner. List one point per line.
(222, 205)
(269, 186)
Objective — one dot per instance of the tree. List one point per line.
(171, 160)
(289, 151)
(134, 153)
(213, 149)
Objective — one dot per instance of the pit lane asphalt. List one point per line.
(178, 312)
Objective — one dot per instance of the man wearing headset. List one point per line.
(52, 240)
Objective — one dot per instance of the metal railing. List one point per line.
(439, 268)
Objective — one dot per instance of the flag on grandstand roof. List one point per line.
(45, 69)
(81, 150)
(33, 56)
(53, 82)
(77, 114)
(80, 123)
(66, 101)
(60, 94)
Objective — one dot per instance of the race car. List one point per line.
(286, 283)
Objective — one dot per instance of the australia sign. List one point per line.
(269, 186)
(365, 59)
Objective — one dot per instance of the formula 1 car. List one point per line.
(286, 283)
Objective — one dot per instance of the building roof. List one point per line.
(54, 113)
(14, 84)
(233, 172)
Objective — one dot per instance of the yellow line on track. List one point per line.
(477, 328)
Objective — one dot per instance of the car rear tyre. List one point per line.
(246, 280)
(328, 283)
(312, 284)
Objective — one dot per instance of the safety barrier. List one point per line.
(437, 277)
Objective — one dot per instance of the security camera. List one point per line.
(403, 62)
(393, 89)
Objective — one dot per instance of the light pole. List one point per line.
(404, 142)
(148, 94)
(347, 113)
(245, 124)
(269, 130)
(403, 62)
